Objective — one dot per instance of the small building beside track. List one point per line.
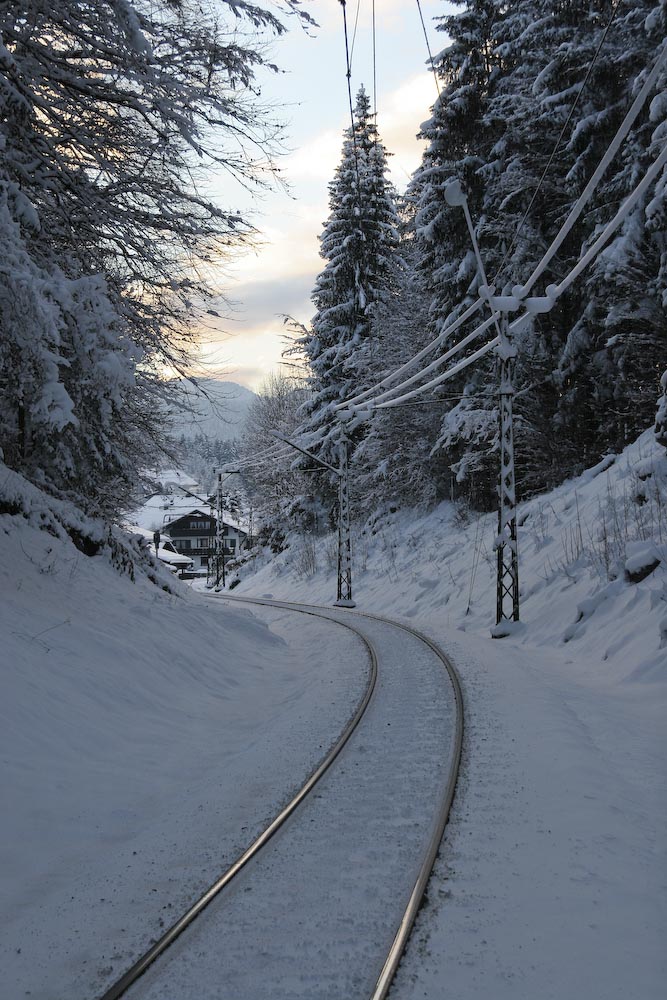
(193, 534)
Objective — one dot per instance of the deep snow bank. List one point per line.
(583, 550)
(146, 736)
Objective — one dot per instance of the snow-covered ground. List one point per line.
(552, 878)
(146, 739)
(147, 735)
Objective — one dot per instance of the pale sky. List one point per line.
(313, 101)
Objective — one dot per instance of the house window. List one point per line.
(194, 525)
(231, 543)
(203, 561)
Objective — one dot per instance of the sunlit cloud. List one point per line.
(287, 249)
(315, 160)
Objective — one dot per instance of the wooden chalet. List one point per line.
(193, 535)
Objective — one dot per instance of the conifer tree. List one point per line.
(360, 243)
(533, 93)
(460, 137)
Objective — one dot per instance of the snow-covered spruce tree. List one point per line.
(497, 133)
(656, 210)
(393, 463)
(108, 112)
(460, 135)
(613, 352)
(360, 244)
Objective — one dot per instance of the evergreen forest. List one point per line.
(111, 113)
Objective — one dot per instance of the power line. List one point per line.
(437, 342)
(354, 32)
(454, 370)
(536, 306)
(439, 362)
(428, 47)
(349, 95)
(375, 81)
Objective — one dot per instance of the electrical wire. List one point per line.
(349, 96)
(454, 370)
(425, 351)
(260, 456)
(577, 209)
(599, 244)
(439, 362)
(428, 47)
(449, 399)
(354, 31)
(612, 149)
(375, 79)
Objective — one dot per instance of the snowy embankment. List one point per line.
(551, 881)
(147, 735)
(146, 738)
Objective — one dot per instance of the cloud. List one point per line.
(316, 159)
(280, 276)
(400, 115)
(290, 247)
(399, 122)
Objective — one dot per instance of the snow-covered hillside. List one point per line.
(217, 410)
(138, 732)
(550, 881)
(147, 734)
(580, 547)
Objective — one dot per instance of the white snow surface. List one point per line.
(147, 736)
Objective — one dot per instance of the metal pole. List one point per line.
(218, 533)
(507, 593)
(344, 587)
(344, 599)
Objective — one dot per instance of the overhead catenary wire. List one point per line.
(349, 96)
(229, 467)
(612, 149)
(265, 455)
(354, 31)
(278, 454)
(556, 291)
(439, 362)
(428, 47)
(454, 370)
(576, 211)
(375, 78)
(424, 352)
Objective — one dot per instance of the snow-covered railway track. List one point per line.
(327, 911)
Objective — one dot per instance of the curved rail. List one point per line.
(117, 989)
(402, 935)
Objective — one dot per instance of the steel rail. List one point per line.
(117, 989)
(399, 943)
(406, 925)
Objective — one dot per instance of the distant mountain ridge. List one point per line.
(218, 409)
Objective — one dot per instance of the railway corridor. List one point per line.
(315, 913)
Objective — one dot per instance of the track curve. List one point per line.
(402, 936)
(119, 988)
(403, 818)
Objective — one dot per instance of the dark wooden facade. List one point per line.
(193, 535)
